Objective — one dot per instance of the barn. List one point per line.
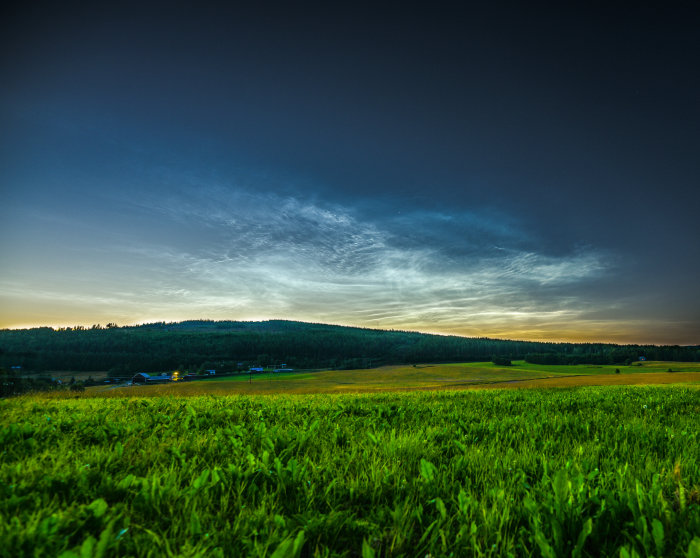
(143, 378)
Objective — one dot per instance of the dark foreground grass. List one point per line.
(611, 471)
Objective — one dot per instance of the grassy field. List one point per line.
(602, 471)
(422, 377)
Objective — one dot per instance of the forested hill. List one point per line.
(227, 346)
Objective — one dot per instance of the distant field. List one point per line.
(423, 377)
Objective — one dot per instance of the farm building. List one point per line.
(143, 378)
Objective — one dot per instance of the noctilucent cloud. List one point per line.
(502, 171)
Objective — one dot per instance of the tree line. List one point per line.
(228, 346)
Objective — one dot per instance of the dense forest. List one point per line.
(228, 346)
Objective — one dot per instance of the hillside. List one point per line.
(229, 345)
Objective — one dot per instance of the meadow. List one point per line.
(589, 471)
(422, 377)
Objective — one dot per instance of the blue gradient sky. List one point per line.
(496, 172)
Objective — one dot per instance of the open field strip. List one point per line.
(422, 377)
(691, 379)
(584, 472)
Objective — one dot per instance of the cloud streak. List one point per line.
(237, 253)
(260, 255)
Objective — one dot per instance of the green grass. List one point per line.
(609, 471)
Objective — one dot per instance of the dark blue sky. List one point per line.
(501, 170)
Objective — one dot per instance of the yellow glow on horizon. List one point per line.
(547, 334)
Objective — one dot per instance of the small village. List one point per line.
(143, 378)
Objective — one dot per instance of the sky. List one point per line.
(503, 170)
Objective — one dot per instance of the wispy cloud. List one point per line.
(235, 253)
(265, 255)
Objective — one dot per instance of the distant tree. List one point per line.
(501, 361)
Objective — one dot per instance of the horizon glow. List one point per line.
(270, 257)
